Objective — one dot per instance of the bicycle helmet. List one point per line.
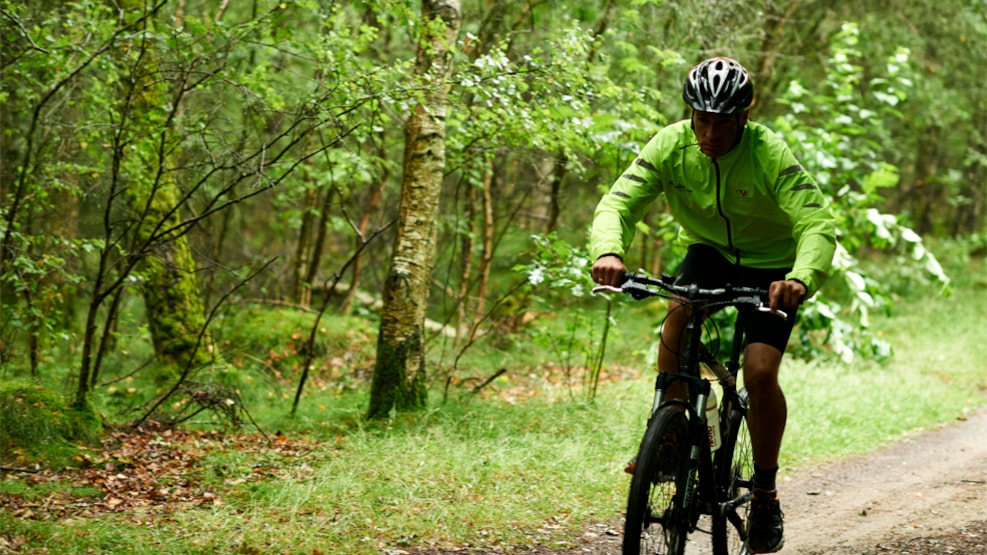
(719, 85)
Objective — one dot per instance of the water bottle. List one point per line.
(712, 421)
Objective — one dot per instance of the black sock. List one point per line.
(765, 479)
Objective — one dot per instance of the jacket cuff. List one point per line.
(807, 282)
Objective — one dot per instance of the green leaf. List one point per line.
(884, 176)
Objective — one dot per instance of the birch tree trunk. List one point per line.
(399, 375)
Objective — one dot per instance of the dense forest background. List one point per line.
(167, 167)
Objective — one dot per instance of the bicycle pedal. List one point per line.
(631, 466)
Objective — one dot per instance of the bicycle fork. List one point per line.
(698, 494)
(733, 412)
(698, 452)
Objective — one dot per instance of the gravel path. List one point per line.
(926, 495)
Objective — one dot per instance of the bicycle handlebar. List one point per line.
(640, 286)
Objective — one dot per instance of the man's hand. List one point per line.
(609, 270)
(785, 294)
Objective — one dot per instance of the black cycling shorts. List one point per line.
(706, 267)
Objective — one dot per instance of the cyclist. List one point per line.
(749, 215)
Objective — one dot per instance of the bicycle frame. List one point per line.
(706, 482)
(701, 465)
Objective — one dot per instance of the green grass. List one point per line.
(936, 377)
(483, 474)
(528, 462)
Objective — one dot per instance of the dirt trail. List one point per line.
(925, 495)
(923, 487)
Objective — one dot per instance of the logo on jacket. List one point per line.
(742, 193)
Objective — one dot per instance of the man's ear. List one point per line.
(742, 120)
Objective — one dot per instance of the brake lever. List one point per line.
(779, 313)
(607, 289)
(634, 289)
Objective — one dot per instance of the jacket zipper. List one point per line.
(719, 209)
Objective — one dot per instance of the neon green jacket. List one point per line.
(755, 204)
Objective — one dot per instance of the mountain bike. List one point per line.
(694, 467)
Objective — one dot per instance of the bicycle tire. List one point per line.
(734, 467)
(656, 523)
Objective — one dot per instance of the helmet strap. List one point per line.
(740, 127)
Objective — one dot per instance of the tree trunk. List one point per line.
(399, 375)
(487, 246)
(926, 193)
(560, 164)
(302, 288)
(172, 298)
(555, 196)
(361, 239)
(463, 305)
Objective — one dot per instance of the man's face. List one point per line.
(717, 133)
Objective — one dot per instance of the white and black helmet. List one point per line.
(719, 85)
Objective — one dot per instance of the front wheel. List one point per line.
(656, 521)
(734, 467)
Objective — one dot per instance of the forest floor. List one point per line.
(924, 495)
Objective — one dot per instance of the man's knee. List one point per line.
(761, 368)
(758, 380)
